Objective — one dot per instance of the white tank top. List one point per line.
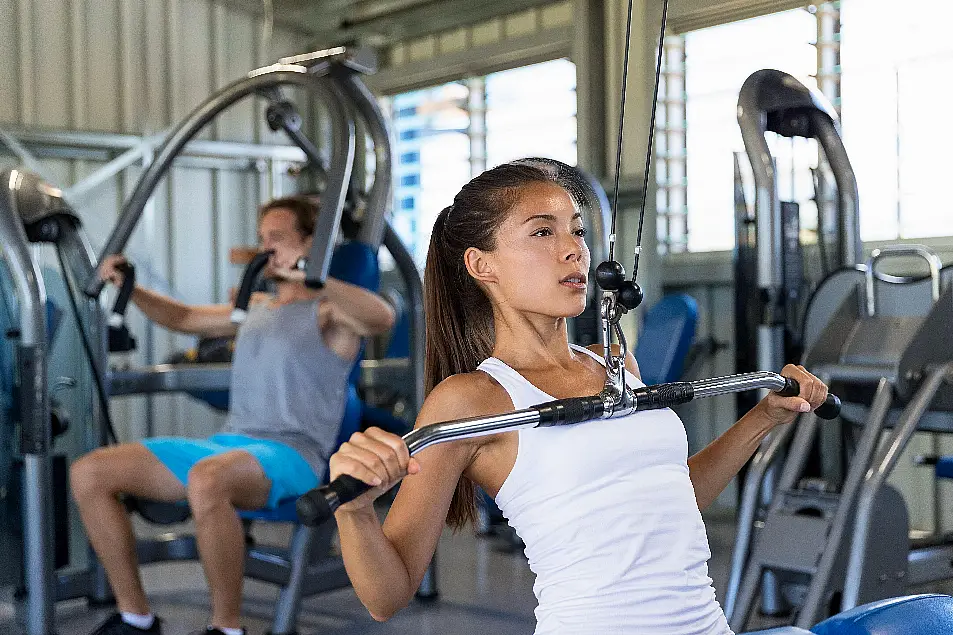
(609, 518)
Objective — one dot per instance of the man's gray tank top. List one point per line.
(287, 385)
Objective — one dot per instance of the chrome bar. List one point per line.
(422, 438)
(169, 378)
(737, 383)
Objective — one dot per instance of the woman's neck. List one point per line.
(532, 342)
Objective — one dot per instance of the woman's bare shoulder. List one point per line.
(464, 395)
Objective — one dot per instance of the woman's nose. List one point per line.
(572, 250)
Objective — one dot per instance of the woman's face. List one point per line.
(541, 263)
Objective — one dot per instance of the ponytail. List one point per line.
(460, 329)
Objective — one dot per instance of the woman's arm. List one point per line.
(387, 563)
(713, 468)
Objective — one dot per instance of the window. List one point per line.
(531, 111)
(895, 61)
(715, 62)
(447, 134)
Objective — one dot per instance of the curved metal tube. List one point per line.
(415, 302)
(35, 408)
(849, 246)
(342, 154)
(932, 259)
(601, 217)
(373, 226)
(762, 460)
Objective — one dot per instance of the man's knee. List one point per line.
(92, 476)
(208, 486)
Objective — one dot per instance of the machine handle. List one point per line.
(117, 318)
(242, 300)
(318, 505)
(828, 410)
(922, 251)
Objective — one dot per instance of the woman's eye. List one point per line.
(581, 232)
(543, 231)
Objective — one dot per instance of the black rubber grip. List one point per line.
(318, 505)
(568, 411)
(125, 291)
(663, 395)
(243, 298)
(828, 410)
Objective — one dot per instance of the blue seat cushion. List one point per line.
(781, 630)
(929, 614)
(665, 338)
(944, 467)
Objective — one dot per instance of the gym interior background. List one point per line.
(465, 85)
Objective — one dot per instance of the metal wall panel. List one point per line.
(9, 62)
(139, 68)
(50, 21)
(134, 67)
(101, 51)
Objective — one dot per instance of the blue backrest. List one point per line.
(665, 338)
(929, 614)
(356, 263)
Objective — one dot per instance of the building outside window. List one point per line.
(447, 134)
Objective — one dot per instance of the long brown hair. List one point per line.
(460, 329)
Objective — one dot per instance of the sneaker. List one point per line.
(115, 626)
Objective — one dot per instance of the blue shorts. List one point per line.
(289, 473)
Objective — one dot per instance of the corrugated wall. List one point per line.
(120, 66)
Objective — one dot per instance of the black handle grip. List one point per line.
(568, 411)
(318, 505)
(125, 291)
(828, 410)
(663, 395)
(243, 298)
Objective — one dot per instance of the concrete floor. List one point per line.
(483, 589)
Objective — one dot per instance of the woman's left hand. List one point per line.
(782, 410)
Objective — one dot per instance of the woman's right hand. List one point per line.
(110, 269)
(378, 458)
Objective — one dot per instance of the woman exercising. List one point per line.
(608, 510)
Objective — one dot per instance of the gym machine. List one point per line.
(840, 539)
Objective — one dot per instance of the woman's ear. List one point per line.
(479, 265)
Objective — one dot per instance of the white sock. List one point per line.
(230, 631)
(144, 622)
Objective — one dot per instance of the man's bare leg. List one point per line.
(97, 480)
(219, 486)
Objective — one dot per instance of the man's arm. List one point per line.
(211, 320)
(362, 312)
